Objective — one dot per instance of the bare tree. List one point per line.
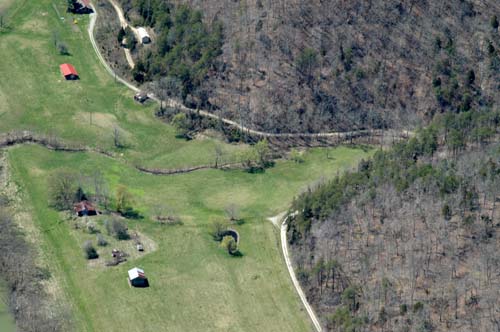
(232, 212)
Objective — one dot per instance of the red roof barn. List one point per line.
(85, 3)
(85, 208)
(69, 72)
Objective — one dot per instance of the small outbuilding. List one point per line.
(137, 278)
(85, 208)
(69, 72)
(141, 97)
(143, 35)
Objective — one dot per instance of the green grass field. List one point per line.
(195, 285)
(34, 95)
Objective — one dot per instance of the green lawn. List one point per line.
(195, 286)
(34, 96)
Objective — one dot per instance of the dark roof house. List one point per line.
(68, 71)
(85, 208)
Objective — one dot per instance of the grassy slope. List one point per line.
(195, 286)
(33, 95)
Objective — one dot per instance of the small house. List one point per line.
(85, 208)
(143, 35)
(69, 72)
(137, 278)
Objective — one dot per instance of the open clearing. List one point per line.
(195, 286)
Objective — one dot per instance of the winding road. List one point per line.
(124, 24)
(276, 220)
(93, 19)
(401, 134)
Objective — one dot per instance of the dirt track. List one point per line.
(401, 134)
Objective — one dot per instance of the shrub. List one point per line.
(382, 315)
(131, 40)
(303, 275)
(418, 306)
(263, 152)
(92, 227)
(296, 156)
(446, 211)
(121, 35)
(89, 250)
(494, 22)
(403, 309)
(181, 124)
(469, 220)
(230, 245)
(101, 241)
(343, 320)
(117, 228)
(62, 48)
(350, 297)
(124, 199)
(218, 228)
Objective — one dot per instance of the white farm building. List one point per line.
(137, 278)
(143, 35)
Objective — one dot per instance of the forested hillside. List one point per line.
(410, 241)
(289, 66)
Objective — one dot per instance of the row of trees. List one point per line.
(31, 306)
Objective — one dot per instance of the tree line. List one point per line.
(28, 301)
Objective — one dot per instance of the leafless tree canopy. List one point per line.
(33, 309)
(422, 259)
(313, 65)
